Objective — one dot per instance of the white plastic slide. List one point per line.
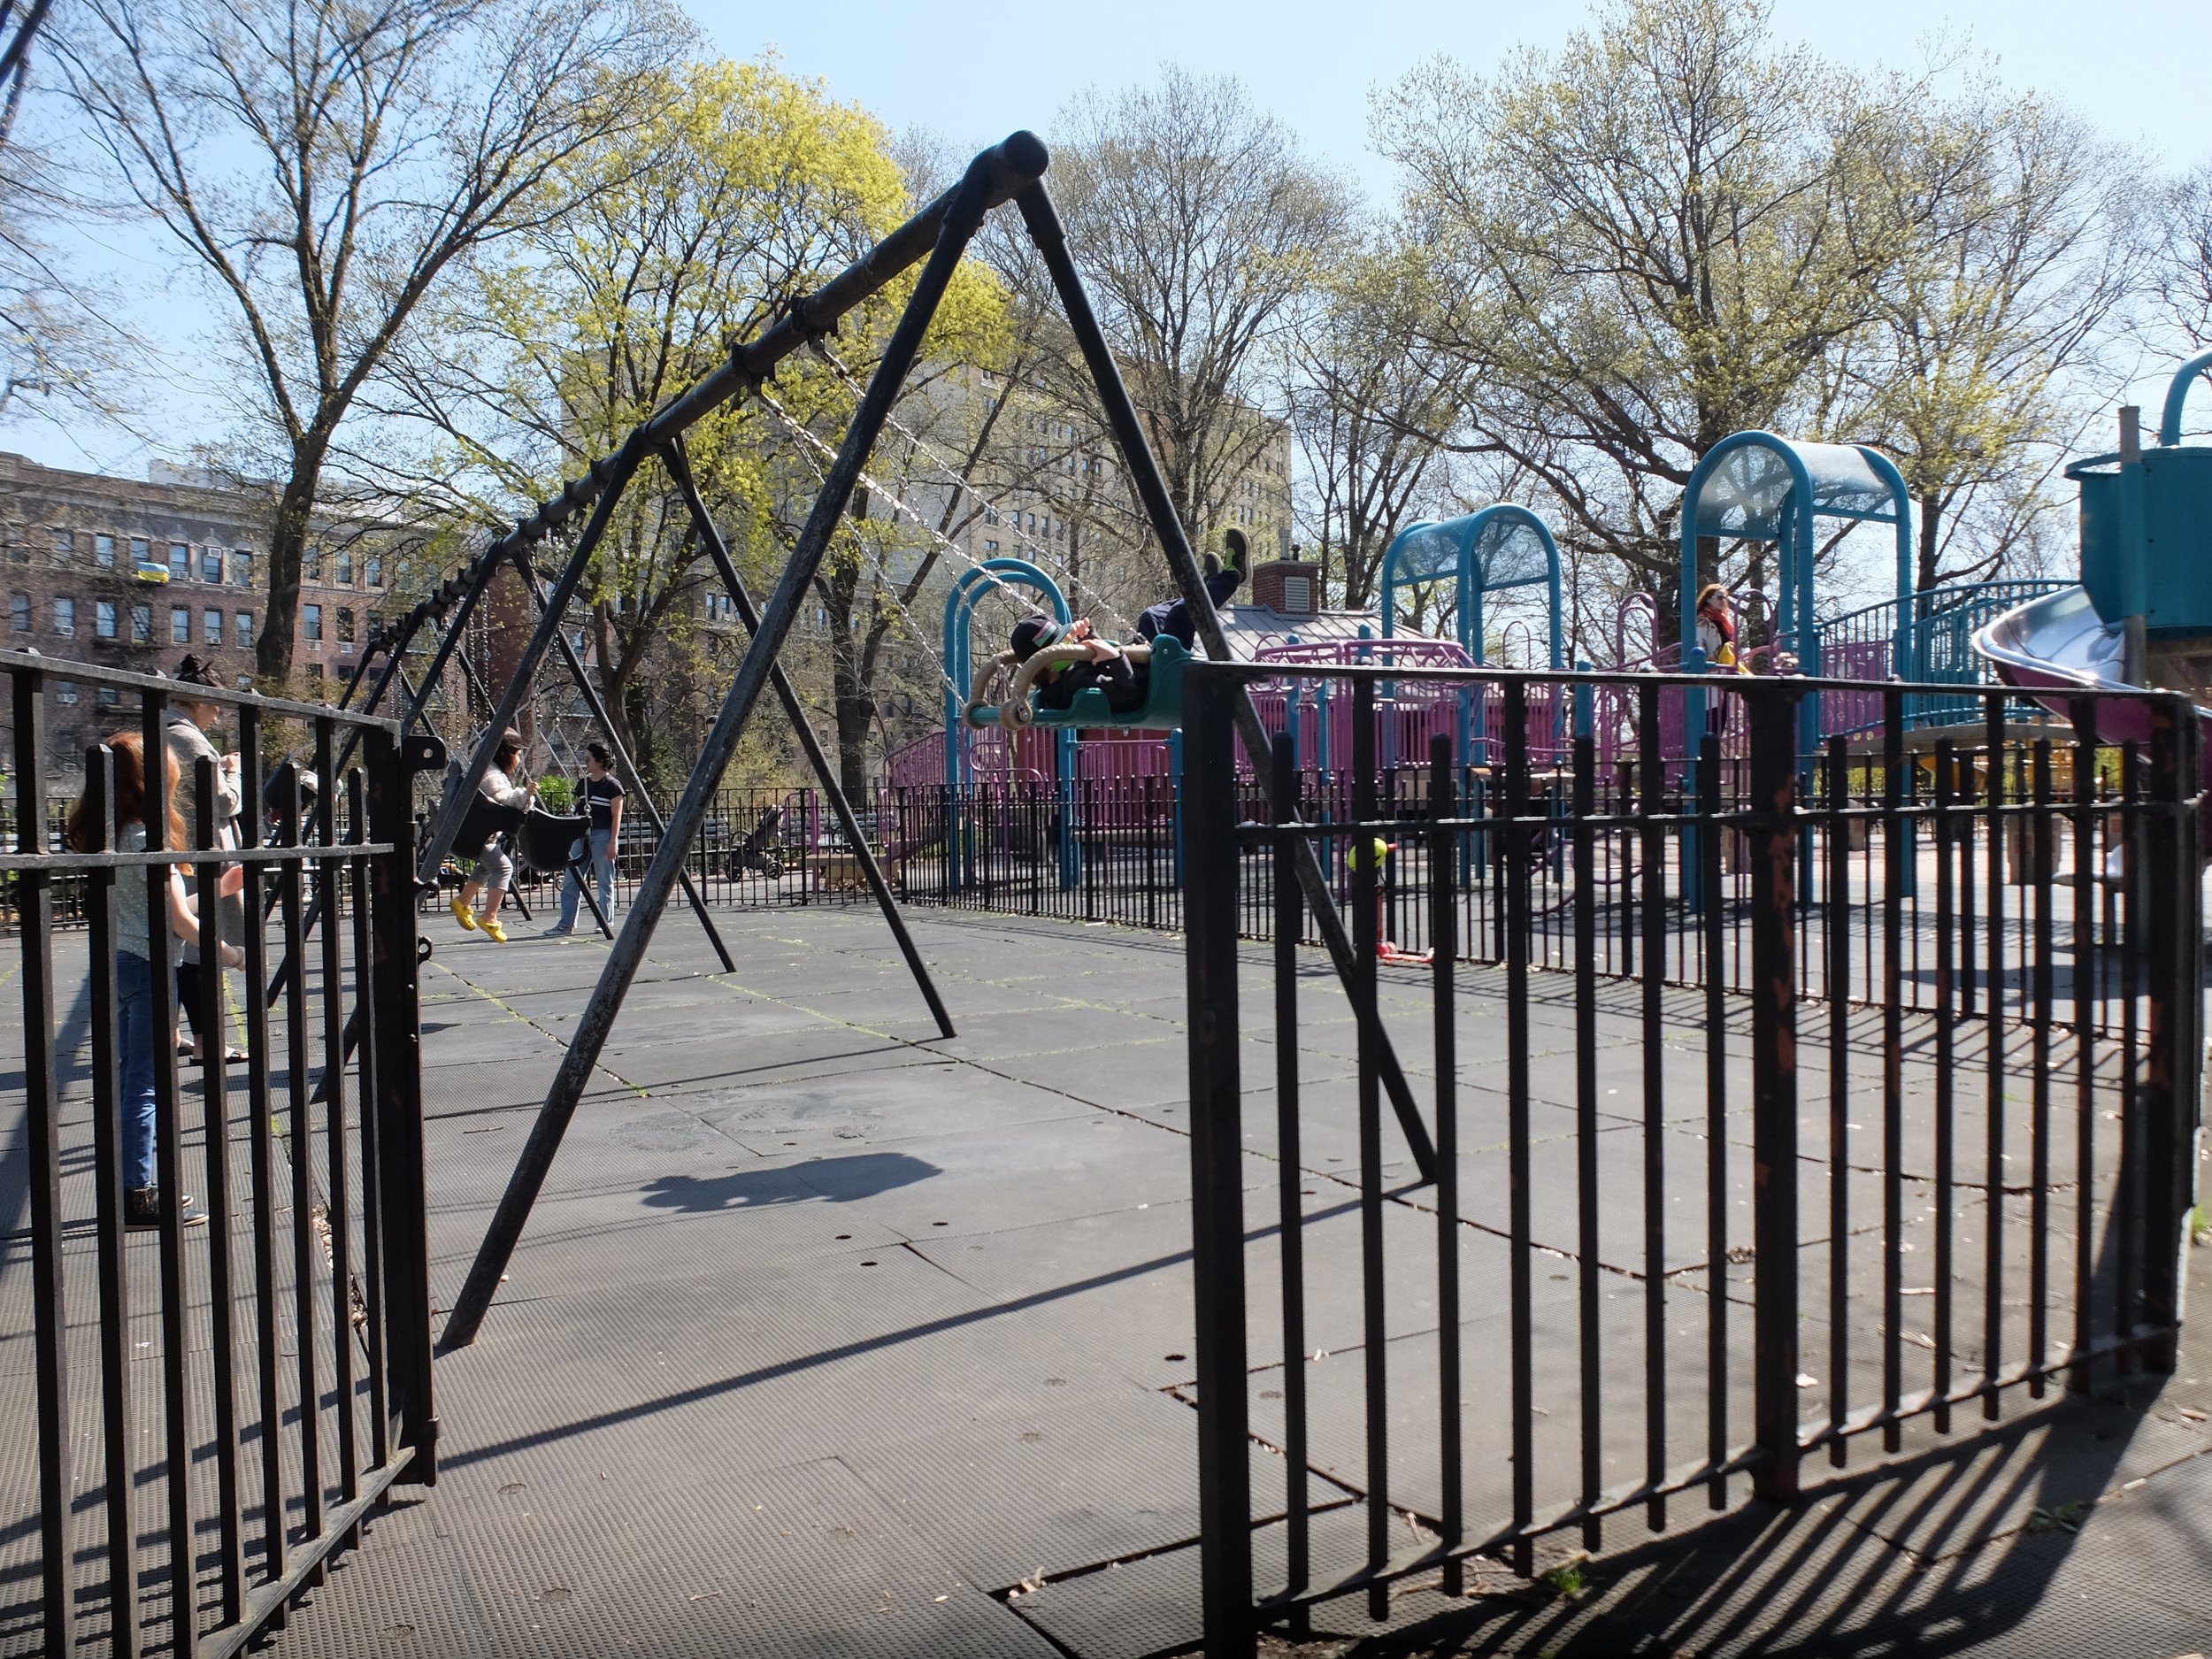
(2057, 643)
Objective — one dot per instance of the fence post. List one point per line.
(1770, 706)
(2169, 1094)
(34, 906)
(1210, 856)
(397, 1026)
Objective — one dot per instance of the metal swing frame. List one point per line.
(937, 239)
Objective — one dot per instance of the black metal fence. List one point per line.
(1865, 1091)
(219, 1397)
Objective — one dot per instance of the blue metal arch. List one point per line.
(1467, 532)
(958, 656)
(2178, 394)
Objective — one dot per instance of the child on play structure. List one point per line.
(1108, 666)
(1717, 630)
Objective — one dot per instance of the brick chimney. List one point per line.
(1289, 587)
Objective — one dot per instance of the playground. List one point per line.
(1755, 1078)
(926, 1306)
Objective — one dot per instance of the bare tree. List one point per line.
(1366, 399)
(1198, 225)
(2184, 282)
(324, 164)
(2011, 266)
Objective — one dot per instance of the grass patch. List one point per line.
(1567, 1580)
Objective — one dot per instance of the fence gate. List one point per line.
(1901, 1127)
(211, 1406)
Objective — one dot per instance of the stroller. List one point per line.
(761, 852)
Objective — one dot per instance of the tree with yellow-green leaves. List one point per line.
(751, 188)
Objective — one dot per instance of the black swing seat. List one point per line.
(484, 822)
(547, 839)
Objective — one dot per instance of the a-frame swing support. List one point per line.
(1010, 172)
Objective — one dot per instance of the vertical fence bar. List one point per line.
(1713, 917)
(363, 1020)
(35, 909)
(2044, 850)
(1836, 936)
(1209, 909)
(1586, 1244)
(1518, 844)
(2172, 1057)
(1649, 802)
(1896, 843)
(2127, 1208)
(1771, 709)
(1994, 1055)
(1953, 850)
(261, 1154)
(1290, 902)
(1443, 912)
(2086, 974)
(299, 1150)
(330, 886)
(101, 944)
(215, 1118)
(169, 1171)
(1364, 856)
(394, 986)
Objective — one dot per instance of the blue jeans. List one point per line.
(603, 872)
(135, 1038)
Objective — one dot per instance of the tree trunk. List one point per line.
(1931, 506)
(856, 713)
(288, 543)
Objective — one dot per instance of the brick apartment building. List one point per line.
(132, 575)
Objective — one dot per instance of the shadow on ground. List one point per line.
(825, 1180)
(2033, 1538)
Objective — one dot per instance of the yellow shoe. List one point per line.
(493, 930)
(461, 915)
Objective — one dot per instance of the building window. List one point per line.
(104, 552)
(315, 677)
(242, 623)
(180, 625)
(210, 627)
(312, 565)
(109, 697)
(142, 551)
(344, 562)
(105, 619)
(19, 549)
(65, 615)
(181, 559)
(241, 567)
(990, 515)
(311, 623)
(990, 547)
(211, 563)
(141, 625)
(22, 608)
(374, 568)
(64, 543)
(65, 691)
(345, 626)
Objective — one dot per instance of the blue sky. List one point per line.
(970, 72)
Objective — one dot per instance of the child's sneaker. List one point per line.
(461, 915)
